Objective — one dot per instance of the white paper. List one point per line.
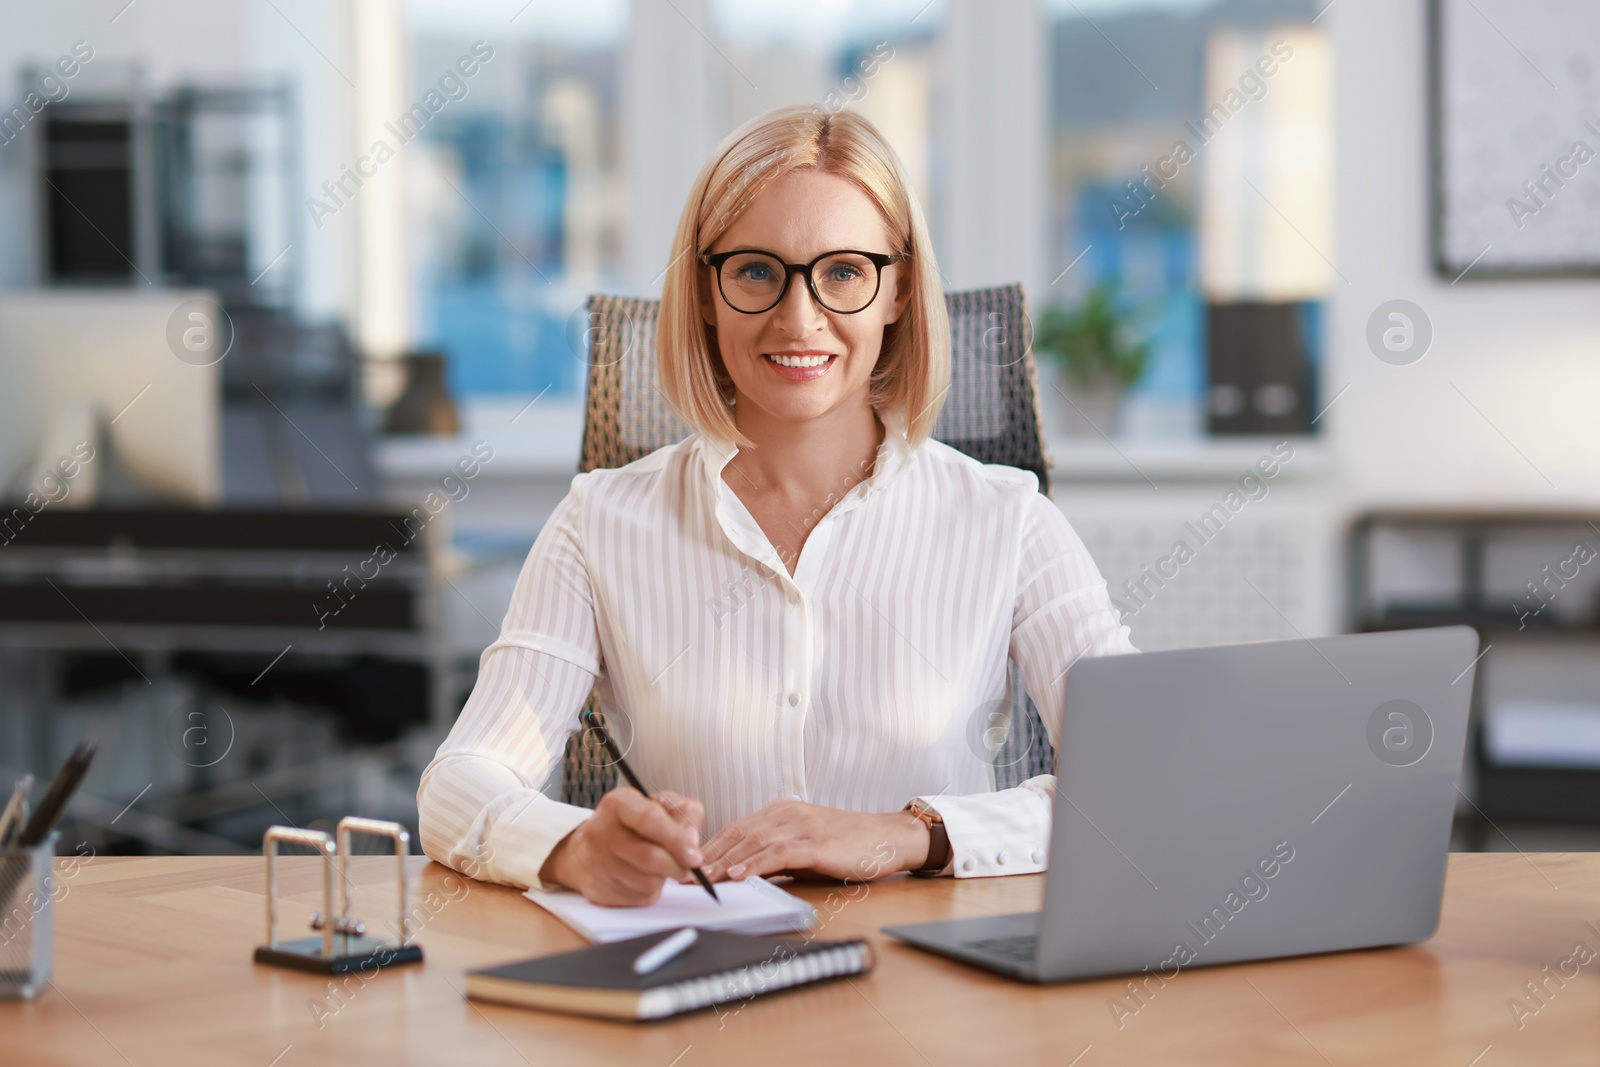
(1529, 733)
(753, 906)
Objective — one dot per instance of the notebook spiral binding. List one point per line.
(748, 982)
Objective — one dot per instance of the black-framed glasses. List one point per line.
(844, 281)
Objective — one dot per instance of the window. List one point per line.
(521, 203)
(1192, 176)
(512, 190)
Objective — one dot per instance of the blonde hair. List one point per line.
(913, 371)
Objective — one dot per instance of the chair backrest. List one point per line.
(991, 413)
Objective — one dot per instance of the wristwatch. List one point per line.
(938, 839)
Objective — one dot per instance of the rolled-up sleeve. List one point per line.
(1063, 612)
(481, 808)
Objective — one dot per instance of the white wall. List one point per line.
(991, 113)
(1527, 354)
(671, 111)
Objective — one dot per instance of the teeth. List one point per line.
(799, 361)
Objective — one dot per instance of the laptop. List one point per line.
(1241, 802)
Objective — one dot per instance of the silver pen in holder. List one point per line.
(15, 813)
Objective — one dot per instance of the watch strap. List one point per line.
(938, 840)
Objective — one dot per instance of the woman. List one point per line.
(800, 612)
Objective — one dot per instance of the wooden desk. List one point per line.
(153, 967)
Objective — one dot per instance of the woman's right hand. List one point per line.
(623, 855)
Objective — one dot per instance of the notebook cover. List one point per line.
(610, 966)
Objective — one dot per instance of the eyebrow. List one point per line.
(770, 252)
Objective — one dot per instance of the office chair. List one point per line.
(991, 413)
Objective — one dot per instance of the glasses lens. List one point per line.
(751, 281)
(846, 282)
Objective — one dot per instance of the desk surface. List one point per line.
(153, 966)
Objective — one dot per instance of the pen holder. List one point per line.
(27, 903)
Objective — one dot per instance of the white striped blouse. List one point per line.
(866, 679)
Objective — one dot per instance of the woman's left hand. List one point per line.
(810, 841)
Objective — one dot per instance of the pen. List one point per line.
(661, 953)
(44, 818)
(592, 722)
(16, 811)
(62, 786)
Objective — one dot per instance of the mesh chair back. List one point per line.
(991, 413)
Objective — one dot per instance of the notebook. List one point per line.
(717, 968)
(753, 906)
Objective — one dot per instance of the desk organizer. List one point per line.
(343, 945)
(27, 904)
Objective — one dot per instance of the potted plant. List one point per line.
(1096, 359)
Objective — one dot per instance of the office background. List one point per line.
(1294, 220)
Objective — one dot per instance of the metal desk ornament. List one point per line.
(343, 945)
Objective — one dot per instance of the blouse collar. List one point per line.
(895, 454)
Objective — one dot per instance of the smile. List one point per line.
(798, 361)
(799, 367)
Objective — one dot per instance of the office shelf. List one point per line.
(1505, 574)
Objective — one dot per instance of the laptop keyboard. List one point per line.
(1022, 949)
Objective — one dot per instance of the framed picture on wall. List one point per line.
(1515, 125)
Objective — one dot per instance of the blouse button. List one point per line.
(1036, 857)
(966, 865)
(1000, 858)
(794, 700)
